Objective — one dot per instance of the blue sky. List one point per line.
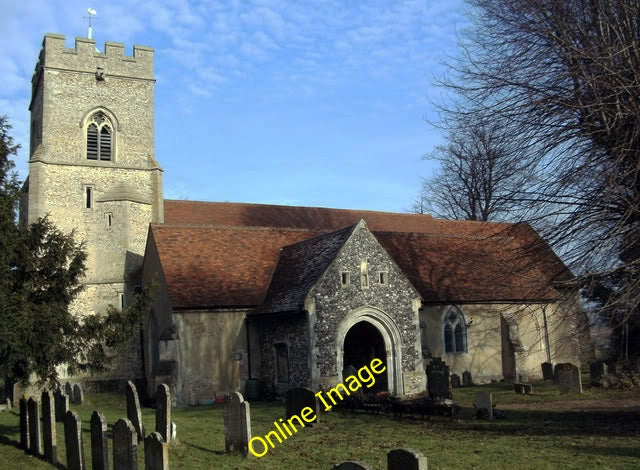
(317, 103)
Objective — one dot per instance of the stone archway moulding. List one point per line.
(390, 334)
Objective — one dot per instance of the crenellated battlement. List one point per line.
(84, 57)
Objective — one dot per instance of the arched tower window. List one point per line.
(455, 332)
(100, 138)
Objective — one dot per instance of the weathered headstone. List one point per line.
(237, 424)
(125, 446)
(99, 449)
(62, 405)
(68, 390)
(438, 379)
(568, 378)
(351, 465)
(49, 427)
(133, 410)
(597, 369)
(547, 371)
(163, 412)
(156, 452)
(455, 381)
(35, 437)
(299, 398)
(73, 441)
(467, 381)
(484, 405)
(9, 405)
(78, 396)
(174, 431)
(24, 424)
(406, 459)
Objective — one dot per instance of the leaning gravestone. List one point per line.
(35, 438)
(455, 381)
(568, 378)
(163, 412)
(237, 424)
(24, 425)
(467, 381)
(68, 390)
(547, 371)
(156, 452)
(133, 410)
(78, 396)
(351, 466)
(99, 449)
(406, 459)
(438, 379)
(484, 405)
(62, 405)
(125, 446)
(299, 398)
(597, 369)
(49, 427)
(73, 441)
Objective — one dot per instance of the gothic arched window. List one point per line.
(99, 137)
(455, 332)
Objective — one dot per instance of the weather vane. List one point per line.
(92, 13)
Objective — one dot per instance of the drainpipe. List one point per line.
(546, 333)
(246, 325)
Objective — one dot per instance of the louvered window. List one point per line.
(99, 138)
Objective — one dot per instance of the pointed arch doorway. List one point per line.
(375, 332)
(362, 344)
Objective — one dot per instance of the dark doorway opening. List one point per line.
(362, 344)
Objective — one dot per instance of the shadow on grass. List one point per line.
(610, 451)
(204, 449)
(560, 423)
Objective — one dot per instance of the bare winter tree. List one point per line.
(481, 172)
(562, 78)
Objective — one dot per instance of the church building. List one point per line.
(276, 295)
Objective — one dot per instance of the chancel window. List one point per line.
(99, 137)
(282, 362)
(455, 332)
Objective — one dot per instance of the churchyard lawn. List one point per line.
(546, 430)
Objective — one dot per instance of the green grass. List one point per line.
(545, 435)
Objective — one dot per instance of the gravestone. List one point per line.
(455, 381)
(9, 404)
(78, 396)
(299, 398)
(597, 369)
(163, 412)
(35, 438)
(125, 446)
(49, 427)
(24, 424)
(68, 390)
(73, 441)
(547, 371)
(237, 424)
(522, 389)
(133, 410)
(61, 405)
(467, 381)
(156, 452)
(174, 431)
(406, 459)
(438, 379)
(351, 465)
(484, 405)
(568, 378)
(99, 449)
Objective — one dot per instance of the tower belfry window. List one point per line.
(99, 137)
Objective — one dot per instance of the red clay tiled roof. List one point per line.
(227, 258)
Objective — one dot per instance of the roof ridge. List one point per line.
(255, 228)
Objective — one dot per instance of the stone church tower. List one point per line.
(92, 168)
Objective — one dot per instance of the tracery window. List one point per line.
(99, 137)
(455, 332)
